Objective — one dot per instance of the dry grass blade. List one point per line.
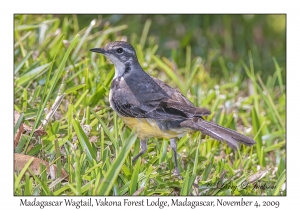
(20, 161)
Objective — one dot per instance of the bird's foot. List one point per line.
(177, 173)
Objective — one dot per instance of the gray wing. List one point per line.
(170, 105)
(173, 93)
(180, 102)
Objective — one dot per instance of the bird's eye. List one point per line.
(119, 50)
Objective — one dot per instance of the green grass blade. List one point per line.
(58, 162)
(84, 142)
(74, 89)
(84, 37)
(275, 146)
(61, 190)
(18, 123)
(192, 75)
(35, 150)
(223, 68)
(19, 177)
(73, 189)
(87, 186)
(251, 75)
(106, 130)
(43, 184)
(196, 160)
(279, 75)
(145, 33)
(24, 139)
(207, 171)
(163, 151)
(99, 93)
(270, 102)
(80, 98)
(256, 127)
(281, 180)
(22, 62)
(188, 60)
(28, 185)
(77, 173)
(112, 173)
(53, 85)
(134, 178)
(33, 74)
(185, 186)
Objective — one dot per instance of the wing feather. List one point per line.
(171, 106)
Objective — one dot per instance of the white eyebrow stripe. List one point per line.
(128, 50)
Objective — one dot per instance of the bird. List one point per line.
(153, 108)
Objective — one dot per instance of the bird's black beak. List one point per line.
(98, 50)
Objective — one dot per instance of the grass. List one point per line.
(88, 141)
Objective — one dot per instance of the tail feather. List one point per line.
(218, 132)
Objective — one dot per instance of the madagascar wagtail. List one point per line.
(155, 109)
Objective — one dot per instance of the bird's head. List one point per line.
(120, 53)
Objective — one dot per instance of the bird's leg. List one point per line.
(143, 146)
(174, 148)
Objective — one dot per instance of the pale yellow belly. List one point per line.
(147, 128)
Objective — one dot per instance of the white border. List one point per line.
(154, 6)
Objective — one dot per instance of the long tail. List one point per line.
(218, 132)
